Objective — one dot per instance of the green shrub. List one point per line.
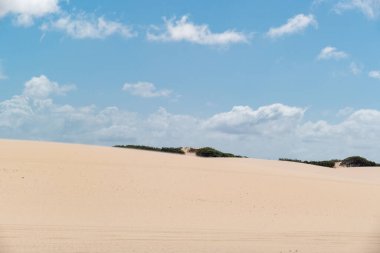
(138, 147)
(329, 163)
(163, 149)
(211, 152)
(357, 161)
(353, 161)
(290, 160)
(172, 150)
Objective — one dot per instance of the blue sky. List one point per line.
(266, 79)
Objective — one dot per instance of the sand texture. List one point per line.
(76, 198)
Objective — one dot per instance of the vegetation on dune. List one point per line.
(353, 161)
(149, 148)
(202, 152)
(357, 161)
(172, 150)
(211, 152)
(329, 163)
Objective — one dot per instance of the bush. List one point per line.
(163, 149)
(290, 160)
(172, 150)
(329, 163)
(353, 161)
(357, 161)
(211, 152)
(138, 147)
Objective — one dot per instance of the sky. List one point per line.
(265, 79)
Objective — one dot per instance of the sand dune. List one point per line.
(76, 198)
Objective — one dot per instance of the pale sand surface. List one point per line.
(75, 198)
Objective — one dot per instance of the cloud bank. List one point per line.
(269, 131)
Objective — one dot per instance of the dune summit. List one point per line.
(76, 198)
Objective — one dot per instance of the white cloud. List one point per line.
(374, 74)
(294, 25)
(357, 134)
(25, 11)
(356, 69)
(41, 87)
(184, 30)
(145, 90)
(329, 52)
(34, 115)
(84, 26)
(265, 120)
(370, 8)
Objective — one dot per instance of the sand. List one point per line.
(76, 198)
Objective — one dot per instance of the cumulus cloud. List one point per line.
(357, 134)
(34, 115)
(84, 26)
(329, 52)
(184, 30)
(25, 11)
(374, 74)
(42, 87)
(145, 90)
(276, 118)
(294, 25)
(370, 8)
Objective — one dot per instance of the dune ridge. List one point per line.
(75, 198)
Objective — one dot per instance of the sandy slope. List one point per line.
(75, 198)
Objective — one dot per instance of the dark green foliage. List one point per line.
(172, 150)
(138, 147)
(163, 149)
(211, 152)
(357, 161)
(290, 160)
(330, 163)
(353, 161)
